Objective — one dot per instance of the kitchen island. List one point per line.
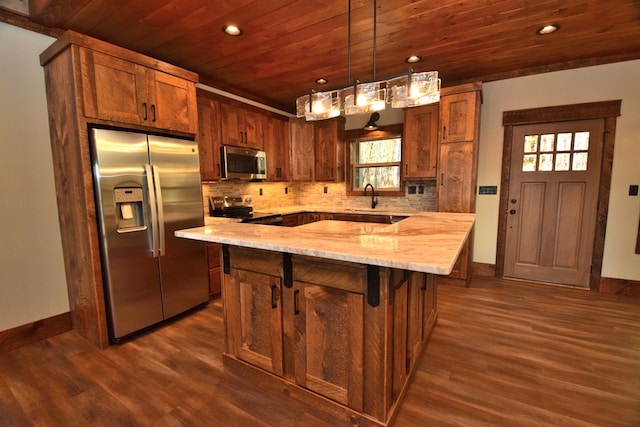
(335, 312)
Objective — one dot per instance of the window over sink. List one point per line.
(375, 158)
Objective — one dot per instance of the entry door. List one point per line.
(553, 197)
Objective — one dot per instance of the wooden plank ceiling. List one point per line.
(287, 44)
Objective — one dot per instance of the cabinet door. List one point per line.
(230, 118)
(276, 145)
(302, 158)
(209, 138)
(252, 124)
(456, 185)
(415, 322)
(215, 278)
(429, 295)
(400, 310)
(420, 142)
(113, 89)
(173, 102)
(329, 356)
(329, 150)
(254, 319)
(458, 114)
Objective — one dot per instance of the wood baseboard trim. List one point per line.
(19, 336)
(610, 285)
(483, 270)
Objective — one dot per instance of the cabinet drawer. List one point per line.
(336, 274)
(257, 260)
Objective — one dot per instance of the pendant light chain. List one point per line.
(349, 46)
(375, 14)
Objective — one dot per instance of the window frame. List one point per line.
(355, 135)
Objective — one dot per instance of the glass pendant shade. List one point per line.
(324, 105)
(364, 98)
(423, 89)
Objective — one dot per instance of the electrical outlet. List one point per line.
(261, 191)
(412, 189)
(633, 190)
(326, 190)
(420, 189)
(286, 190)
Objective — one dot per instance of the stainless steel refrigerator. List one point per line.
(146, 187)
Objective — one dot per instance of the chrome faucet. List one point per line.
(374, 200)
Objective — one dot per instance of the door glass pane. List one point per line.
(529, 162)
(562, 161)
(546, 162)
(531, 143)
(581, 141)
(564, 141)
(580, 161)
(547, 142)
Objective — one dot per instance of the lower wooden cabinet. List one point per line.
(312, 324)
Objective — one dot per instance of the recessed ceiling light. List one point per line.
(232, 30)
(322, 81)
(413, 59)
(548, 29)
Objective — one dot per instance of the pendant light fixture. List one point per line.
(407, 90)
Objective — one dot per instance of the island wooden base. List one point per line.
(341, 412)
(343, 335)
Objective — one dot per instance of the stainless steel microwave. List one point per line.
(243, 163)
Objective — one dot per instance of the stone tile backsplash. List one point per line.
(266, 195)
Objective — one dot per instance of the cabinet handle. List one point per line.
(444, 132)
(296, 309)
(153, 112)
(310, 174)
(218, 164)
(144, 108)
(424, 283)
(331, 172)
(274, 296)
(442, 178)
(406, 170)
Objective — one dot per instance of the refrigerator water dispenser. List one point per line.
(129, 212)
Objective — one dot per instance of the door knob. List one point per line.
(512, 211)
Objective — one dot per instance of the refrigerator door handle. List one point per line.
(158, 188)
(152, 206)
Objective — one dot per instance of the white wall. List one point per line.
(32, 278)
(592, 84)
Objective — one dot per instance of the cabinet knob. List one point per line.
(512, 212)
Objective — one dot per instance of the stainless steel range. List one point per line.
(237, 207)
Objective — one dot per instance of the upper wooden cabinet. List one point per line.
(302, 152)
(329, 150)
(269, 132)
(420, 142)
(122, 91)
(209, 137)
(459, 116)
(241, 126)
(276, 146)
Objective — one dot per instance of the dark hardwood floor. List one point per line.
(502, 354)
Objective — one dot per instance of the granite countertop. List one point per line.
(429, 242)
(313, 208)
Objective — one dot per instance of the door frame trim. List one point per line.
(607, 110)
